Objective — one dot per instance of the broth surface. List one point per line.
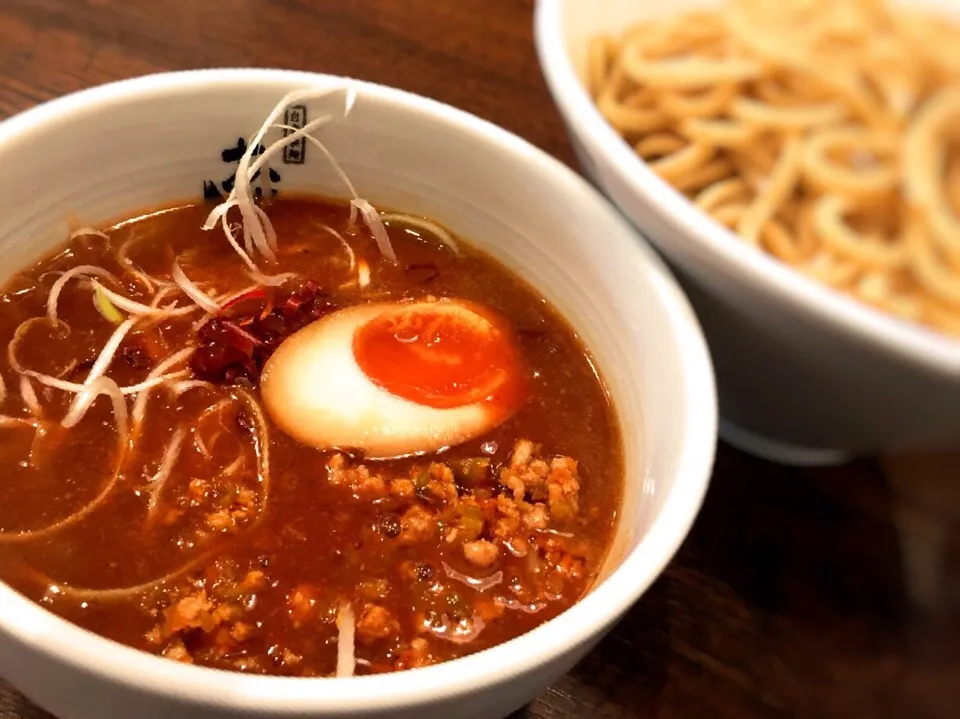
(436, 556)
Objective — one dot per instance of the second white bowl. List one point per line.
(805, 374)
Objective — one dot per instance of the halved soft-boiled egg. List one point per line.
(393, 379)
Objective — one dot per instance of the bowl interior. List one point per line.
(112, 152)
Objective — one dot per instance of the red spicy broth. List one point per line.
(208, 535)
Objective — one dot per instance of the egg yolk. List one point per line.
(441, 355)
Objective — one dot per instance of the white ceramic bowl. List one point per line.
(124, 147)
(805, 374)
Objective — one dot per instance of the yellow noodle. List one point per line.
(785, 118)
(788, 88)
(643, 98)
(828, 217)
(684, 73)
(658, 145)
(831, 270)
(704, 175)
(755, 175)
(630, 120)
(806, 236)
(797, 57)
(601, 51)
(698, 105)
(831, 177)
(942, 318)
(729, 215)
(720, 193)
(722, 133)
(760, 156)
(875, 288)
(779, 241)
(683, 161)
(925, 166)
(932, 274)
(952, 183)
(824, 132)
(783, 177)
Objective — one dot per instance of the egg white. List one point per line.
(314, 390)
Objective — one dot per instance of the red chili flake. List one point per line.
(247, 307)
(234, 345)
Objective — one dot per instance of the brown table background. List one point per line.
(787, 600)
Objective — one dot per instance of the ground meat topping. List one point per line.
(417, 525)
(533, 479)
(488, 521)
(376, 623)
(481, 553)
(358, 478)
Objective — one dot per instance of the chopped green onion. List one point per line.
(470, 524)
(421, 478)
(471, 472)
(105, 307)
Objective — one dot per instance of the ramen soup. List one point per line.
(312, 439)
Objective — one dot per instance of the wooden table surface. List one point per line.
(788, 598)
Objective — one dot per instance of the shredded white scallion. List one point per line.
(29, 397)
(232, 239)
(259, 235)
(179, 388)
(363, 273)
(373, 222)
(149, 282)
(121, 593)
(100, 385)
(421, 223)
(206, 302)
(138, 308)
(93, 387)
(261, 446)
(76, 387)
(242, 196)
(85, 271)
(157, 373)
(8, 422)
(18, 334)
(346, 246)
(169, 459)
(305, 132)
(160, 296)
(270, 280)
(109, 350)
(346, 641)
(235, 466)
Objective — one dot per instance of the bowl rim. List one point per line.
(83, 652)
(915, 343)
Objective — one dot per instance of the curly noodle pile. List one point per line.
(822, 131)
